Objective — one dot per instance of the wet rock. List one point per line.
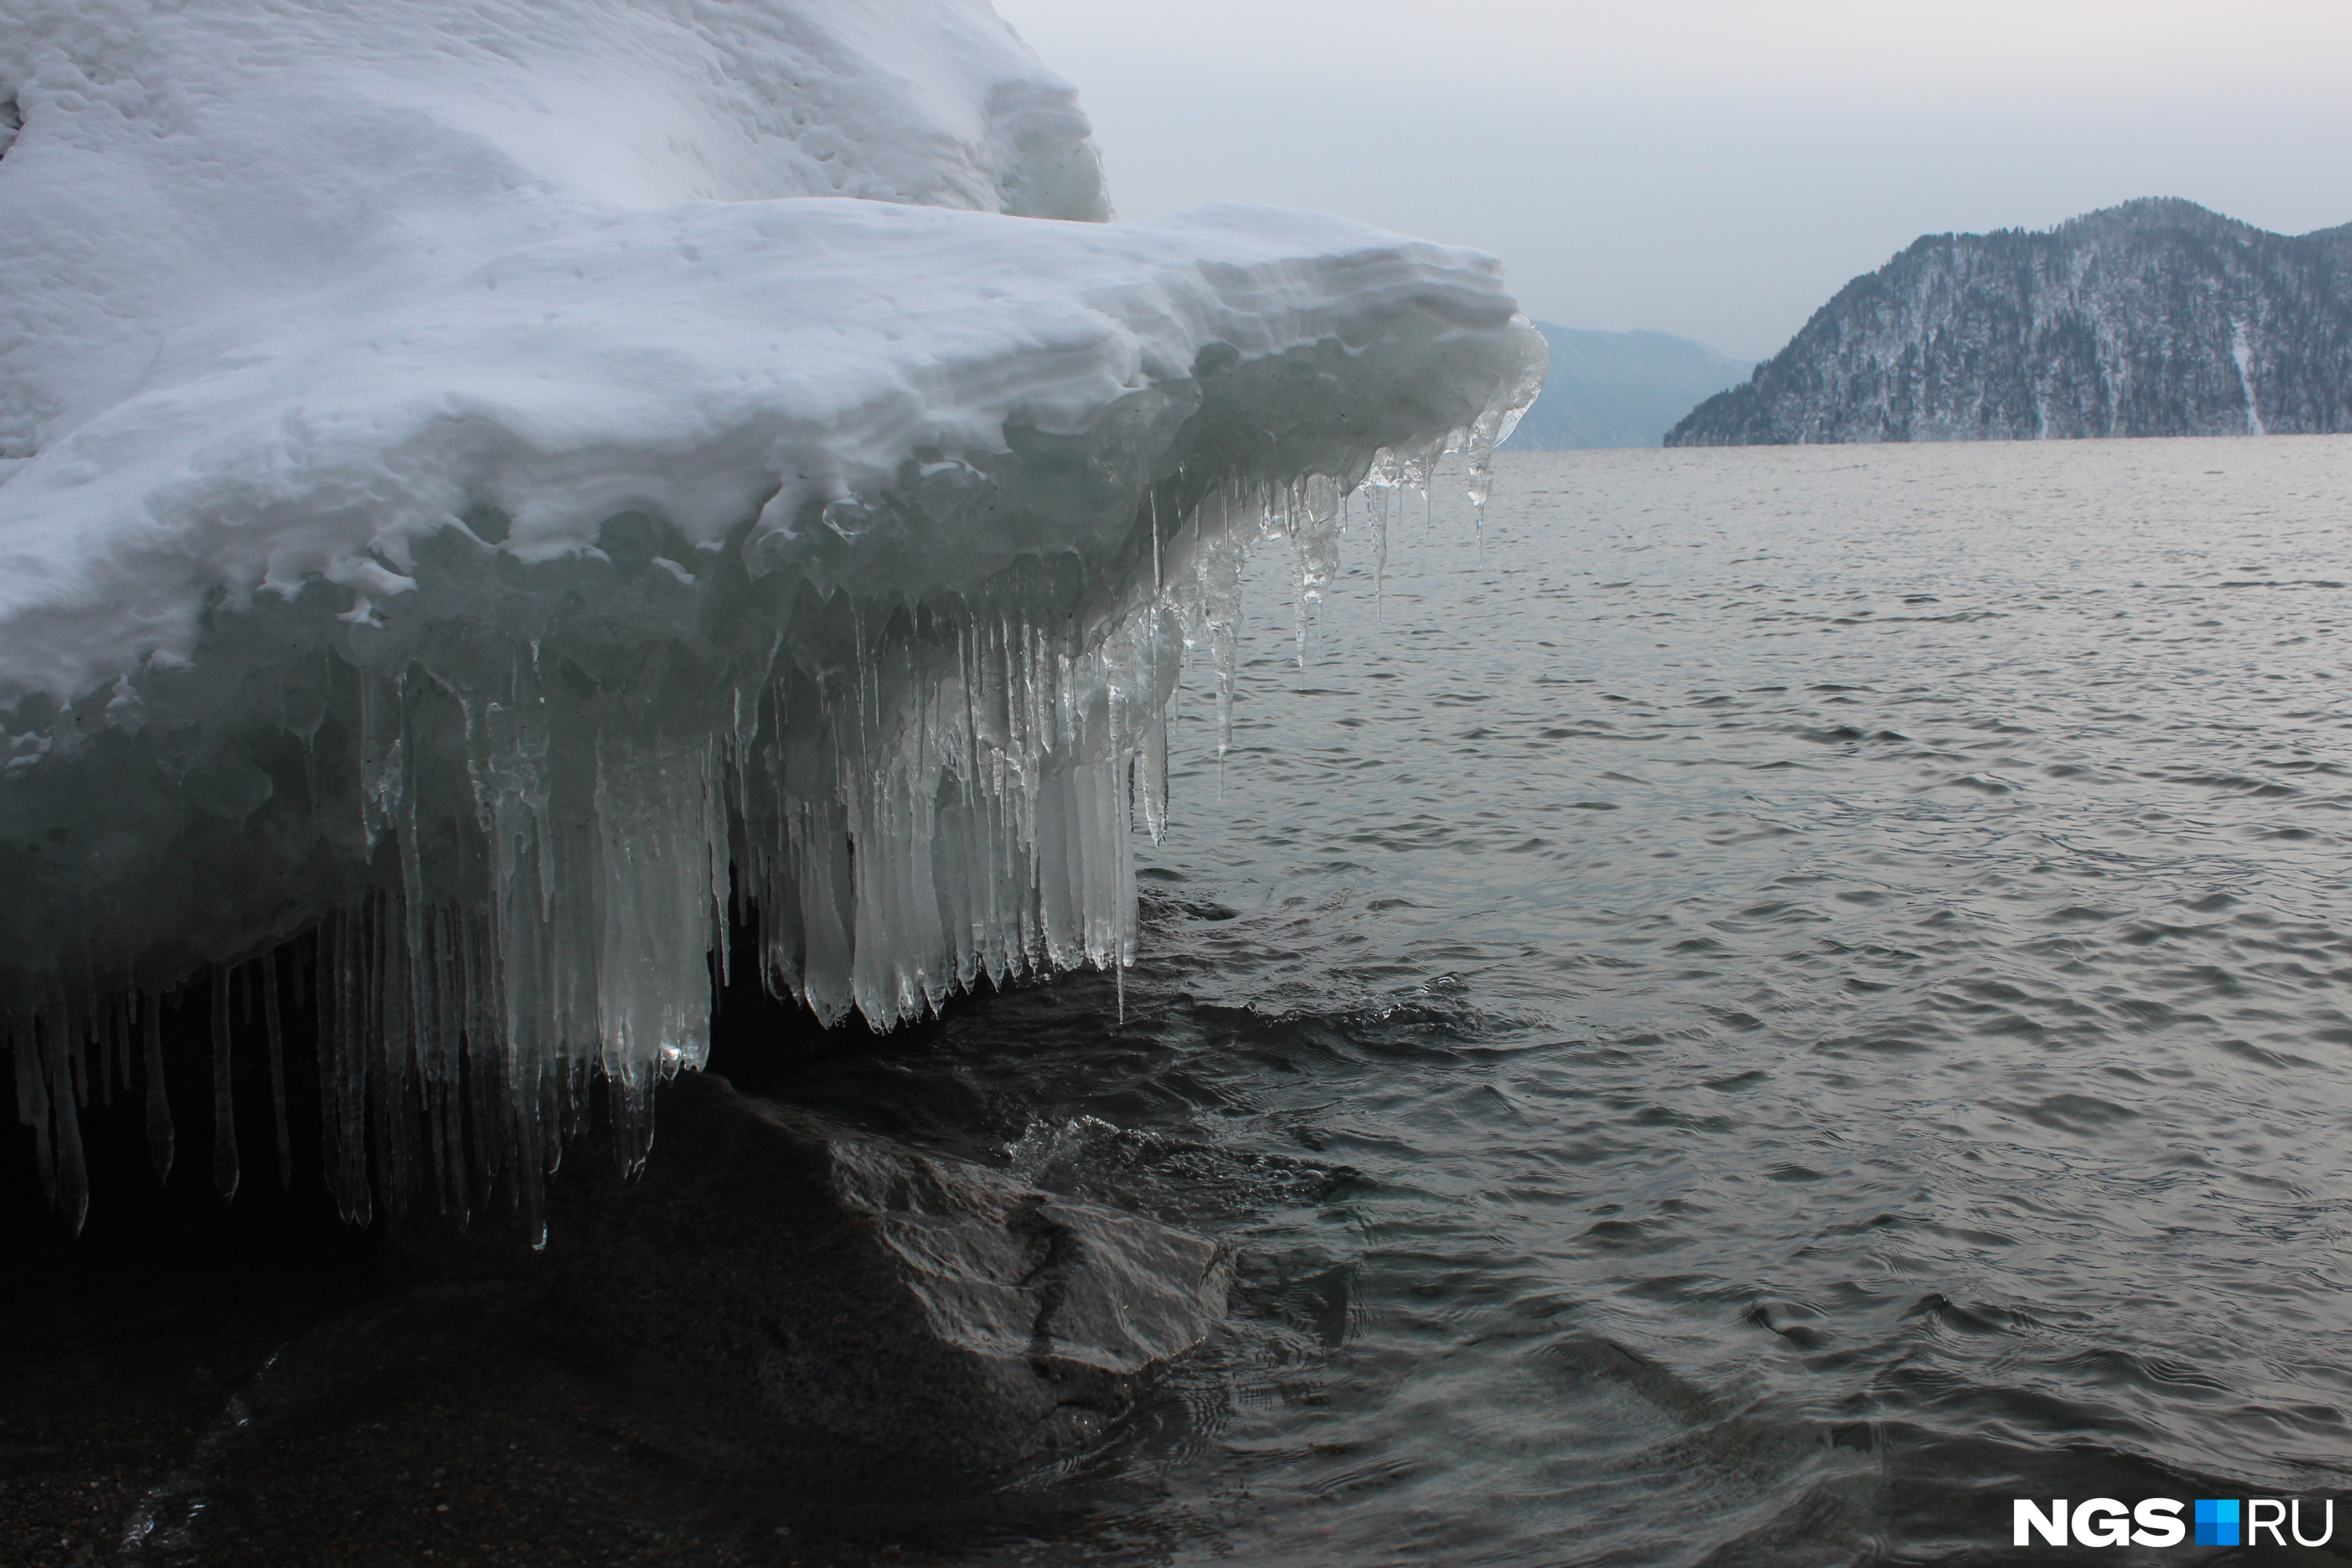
(831, 1291)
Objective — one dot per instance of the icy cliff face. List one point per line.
(484, 481)
(2156, 318)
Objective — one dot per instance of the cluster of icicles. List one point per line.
(907, 796)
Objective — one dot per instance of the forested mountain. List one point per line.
(2154, 318)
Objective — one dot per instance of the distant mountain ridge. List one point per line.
(2154, 318)
(1618, 389)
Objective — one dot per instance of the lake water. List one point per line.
(1776, 1002)
(1783, 998)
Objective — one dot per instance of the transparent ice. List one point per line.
(506, 817)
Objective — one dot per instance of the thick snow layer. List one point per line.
(481, 483)
(226, 169)
(705, 363)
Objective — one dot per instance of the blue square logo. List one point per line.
(2216, 1521)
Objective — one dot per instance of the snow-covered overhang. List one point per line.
(472, 494)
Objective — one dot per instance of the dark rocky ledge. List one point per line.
(803, 1336)
(843, 1298)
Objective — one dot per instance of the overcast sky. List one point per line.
(1715, 168)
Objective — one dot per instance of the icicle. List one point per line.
(33, 1103)
(343, 1063)
(118, 1020)
(277, 1068)
(159, 1109)
(914, 794)
(1221, 601)
(224, 1171)
(1380, 556)
(1153, 766)
(1314, 514)
(72, 1190)
(77, 1036)
(101, 1041)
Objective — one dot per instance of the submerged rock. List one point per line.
(824, 1286)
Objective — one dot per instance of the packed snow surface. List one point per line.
(706, 364)
(482, 485)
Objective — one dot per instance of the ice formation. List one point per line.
(483, 485)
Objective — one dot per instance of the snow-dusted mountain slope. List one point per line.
(484, 478)
(2156, 318)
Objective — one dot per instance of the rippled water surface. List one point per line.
(1778, 1001)
(1784, 999)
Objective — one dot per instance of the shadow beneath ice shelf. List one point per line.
(195, 1379)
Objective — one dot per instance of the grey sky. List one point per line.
(1710, 167)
